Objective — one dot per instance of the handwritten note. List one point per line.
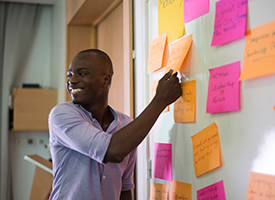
(156, 53)
(159, 191)
(214, 191)
(230, 21)
(170, 19)
(206, 150)
(180, 190)
(179, 50)
(185, 106)
(154, 85)
(163, 161)
(194, 9)
(260, 186)
(259, 53)
(224, 89)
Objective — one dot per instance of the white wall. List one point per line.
(245, 136)
(45, 66)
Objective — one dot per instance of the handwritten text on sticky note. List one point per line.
(156, 53)
(163, 161)
(180, 190)
(185, 106)
(159, 191)
(179, 50)
(224, 89)
(214, 191)
(230, 21)
(170, 19)
(261, 186)
(206, 150)
(259, 53)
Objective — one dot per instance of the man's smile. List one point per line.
(75, 91)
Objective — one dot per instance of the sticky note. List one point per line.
(154, 85)
(159, 191)
(230, 21)
(163, 161)
(194, 9)
(214, 191)
(206, 150)
(170, 19)
(185, 106)
(180, 190)
(259, 52)
(224, 89)
(179, 50)
(261, 186)
(156, 53)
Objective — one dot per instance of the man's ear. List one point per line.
(107, 81)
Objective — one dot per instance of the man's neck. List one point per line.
(103, 115)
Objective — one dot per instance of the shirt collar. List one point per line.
(113, 123)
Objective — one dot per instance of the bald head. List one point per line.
(101, 57)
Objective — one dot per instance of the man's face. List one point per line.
(84, 79)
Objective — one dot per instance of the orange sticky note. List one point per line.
(159, 191)
(179, 50)
(185, 106)
(156, 53)
(170, 19)
(260, 186)
(154, 85)
(259, 53)
(206, 150)
(180, 190)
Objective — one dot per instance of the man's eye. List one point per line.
(83, 73)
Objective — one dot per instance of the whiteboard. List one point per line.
(247, 137)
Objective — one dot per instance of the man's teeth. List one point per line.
(76, 90)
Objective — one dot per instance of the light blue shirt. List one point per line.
(78, 146)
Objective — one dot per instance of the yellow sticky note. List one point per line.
(180, 190)
(185, 106)
(159, 191)
(170, 19)
(156, 53)
(259, 53)
(154, 85)
(260, 186)
(206, 150)
(179, 50)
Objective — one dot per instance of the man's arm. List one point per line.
(126, 195)
(129, 137)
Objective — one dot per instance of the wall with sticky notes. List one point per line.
(223, 127)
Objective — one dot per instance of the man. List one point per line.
(93, 147)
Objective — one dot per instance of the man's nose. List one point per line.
(73, 79)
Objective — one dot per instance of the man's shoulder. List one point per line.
(64, 107)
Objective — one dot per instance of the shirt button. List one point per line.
(104, 177)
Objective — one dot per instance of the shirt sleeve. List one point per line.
(127, 177)
(69, 128)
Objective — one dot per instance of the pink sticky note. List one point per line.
(163, 161)
(214, 191)
(230, 21)
(194, 9)
(224, 89)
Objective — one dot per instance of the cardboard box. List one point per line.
(31, 107)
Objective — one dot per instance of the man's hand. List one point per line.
(169, 89)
